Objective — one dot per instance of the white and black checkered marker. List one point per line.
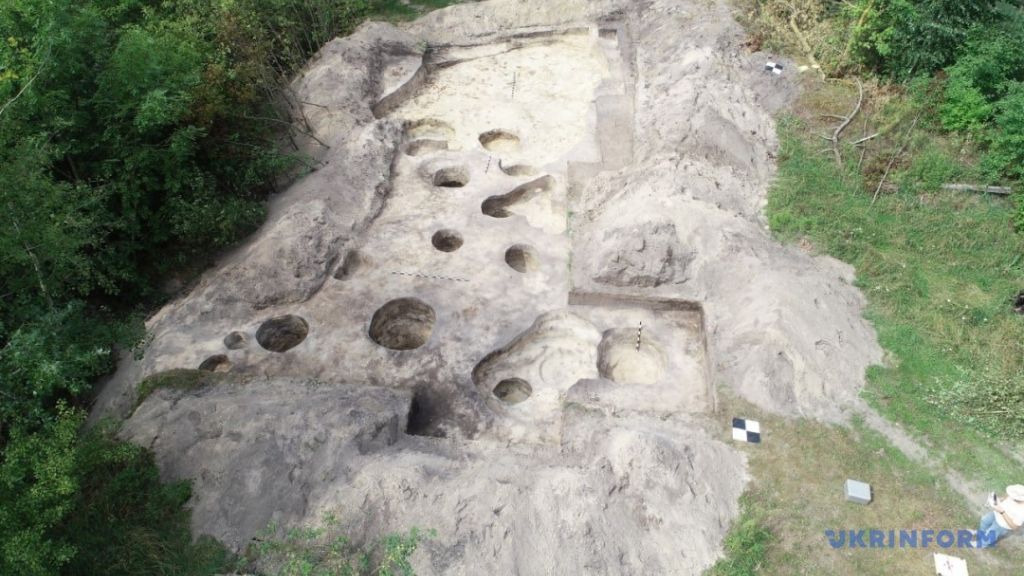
(746, 430)
(773, 67)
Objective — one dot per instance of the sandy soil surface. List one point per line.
(503, 306)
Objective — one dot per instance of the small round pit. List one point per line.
(216, 363)
(512, 391)
(522, 258)
(236, 340)
(500, 141)
(447, 240)
(451, 177)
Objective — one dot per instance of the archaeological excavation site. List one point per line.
(506, 303)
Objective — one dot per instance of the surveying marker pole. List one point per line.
(639, 332)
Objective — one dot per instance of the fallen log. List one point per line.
(997, 190)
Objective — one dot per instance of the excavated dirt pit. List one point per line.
(499, 141)
(216, 363)
(624, 357)
(282, 333)
(236, 340)
(518, 170)
(513, 390)
(447, 240)
(522, 258)
(429, 129)
(484, 384)
(403, 324)
(353, 261)
(454, 177)
(425, 146)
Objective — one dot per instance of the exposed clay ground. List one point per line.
(504, 304)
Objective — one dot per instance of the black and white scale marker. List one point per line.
(744, 430)
(773, 67)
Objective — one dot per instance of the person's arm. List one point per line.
(1006, 516)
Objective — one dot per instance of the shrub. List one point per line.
(987, 65)
(907, 37)
(1006, 139)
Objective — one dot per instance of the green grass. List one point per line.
(747, 543)
(176, 379)
(322, 550)
(796, 494)
(939, 270)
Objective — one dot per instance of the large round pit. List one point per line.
(282, 333)
(403, 324)
(622, 361)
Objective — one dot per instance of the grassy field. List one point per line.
(797, 493)
(940, 270)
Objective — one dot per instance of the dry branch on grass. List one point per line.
(892, 161)
(997, 190)
(834, 138)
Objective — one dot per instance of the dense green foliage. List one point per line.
(907, 37)
(980, 46)
(137, 137)
(975, 48)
